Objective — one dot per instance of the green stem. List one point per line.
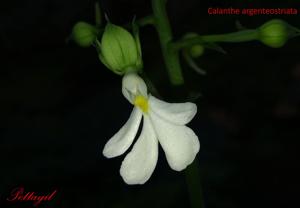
(171, 57)
(192, 174)
(235, 37)
(98, 16)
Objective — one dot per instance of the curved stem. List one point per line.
(148, 20)
(240, 36)
(171, 57)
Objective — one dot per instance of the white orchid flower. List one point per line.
(164, 123)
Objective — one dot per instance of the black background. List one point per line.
(59, 105)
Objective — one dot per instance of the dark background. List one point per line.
(59, 105)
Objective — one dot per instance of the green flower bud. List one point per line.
(120, 51)
(195, 51)
(275, 33)
(84, 34)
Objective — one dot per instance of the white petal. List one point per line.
(122, 140)
(140, 163)
(177, 113)
(133, 85)
(179, 142)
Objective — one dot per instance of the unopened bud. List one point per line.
(119, 50)
(275, 33)
(197, 50)
(84, 34)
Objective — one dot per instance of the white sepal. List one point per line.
(139, 164)
(177, 113)
(133, 85)
(179, 142)
(122, 140)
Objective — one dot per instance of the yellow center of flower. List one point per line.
(141, 102)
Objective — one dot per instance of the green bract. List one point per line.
(84, 34)
(274, 33)
(119, 50)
